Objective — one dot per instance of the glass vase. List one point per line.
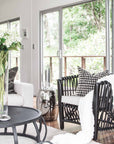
(4, 74)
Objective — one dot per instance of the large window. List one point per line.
(84, 39)
(13, 26)
(78, 35)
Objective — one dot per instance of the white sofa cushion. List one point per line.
(74, 100)
(26, 91)
(15, 100)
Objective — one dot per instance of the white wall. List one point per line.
(10, 9)
(28, 11)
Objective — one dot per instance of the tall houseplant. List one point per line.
(6, 45)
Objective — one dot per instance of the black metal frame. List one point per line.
(102, 104)
(24, 134)
(103, 107)
(67, 112)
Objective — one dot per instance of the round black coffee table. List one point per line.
(23, 116)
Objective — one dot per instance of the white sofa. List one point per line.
(24, 96)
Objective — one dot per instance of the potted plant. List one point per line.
(6, 45)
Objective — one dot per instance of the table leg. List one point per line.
(5, 130)
(40, 125)
(25, 128)
(37, 132)
(43, 121)
(15, 135)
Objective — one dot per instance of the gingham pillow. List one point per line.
(87, 81)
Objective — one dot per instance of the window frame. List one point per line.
(60, 9)
(8, 22)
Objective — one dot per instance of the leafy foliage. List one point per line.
(4, 45)
(81, 21)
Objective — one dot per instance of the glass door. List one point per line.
(77, 35)
(84, 37)
(50, 49)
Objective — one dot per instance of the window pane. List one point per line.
(15, 55)
(84, 35)
(50, 47)
(50, 33)
(14, 28)
(3, 28)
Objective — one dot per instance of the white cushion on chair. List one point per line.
(26, 91)
(74, 100)
(15, 100)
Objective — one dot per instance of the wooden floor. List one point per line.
(104, 137)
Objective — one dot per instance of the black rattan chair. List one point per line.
(103, 107)
(102, 104)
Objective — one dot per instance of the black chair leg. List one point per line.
(61, 117)
(95, 133)
(96, 110)
(61, 125)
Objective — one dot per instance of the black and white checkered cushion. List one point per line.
(87, 81)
